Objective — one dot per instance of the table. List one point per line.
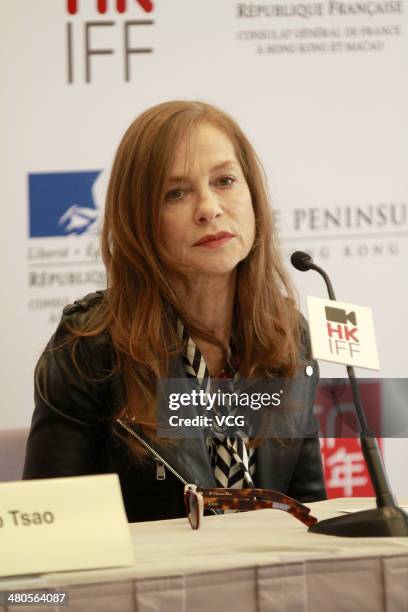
(261, 561)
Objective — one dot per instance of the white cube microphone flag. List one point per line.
(342, 333)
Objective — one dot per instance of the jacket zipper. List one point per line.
(160, 462)
(160, 471)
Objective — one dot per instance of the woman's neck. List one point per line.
(210, 302)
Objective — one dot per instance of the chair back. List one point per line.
(12, 453)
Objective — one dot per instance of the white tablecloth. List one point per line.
(261, 561)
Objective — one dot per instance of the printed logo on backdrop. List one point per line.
(365, 231)
(358, 230)
(63, 204)
(81, 47)
(102, 6)
(63, 257)
(316, 28)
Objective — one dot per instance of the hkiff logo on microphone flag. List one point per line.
(342, 333)
(63, 203)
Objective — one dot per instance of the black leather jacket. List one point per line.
(73, 433)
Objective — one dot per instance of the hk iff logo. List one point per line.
(343, 339)
(102, 6)
(64, 204)
(342, 333)
(129, 38)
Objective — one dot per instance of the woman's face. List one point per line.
(206, 194)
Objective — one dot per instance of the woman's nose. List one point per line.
(207, 207)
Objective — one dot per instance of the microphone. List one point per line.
(303, 262)
(387, 519)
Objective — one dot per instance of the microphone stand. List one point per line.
(387, 519)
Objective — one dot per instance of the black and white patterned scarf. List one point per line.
(233, 463)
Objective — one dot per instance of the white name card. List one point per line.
(60, 524)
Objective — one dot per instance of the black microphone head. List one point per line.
(301, 261)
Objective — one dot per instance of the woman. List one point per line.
(196, 289)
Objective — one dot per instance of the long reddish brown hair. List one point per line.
(140, 305)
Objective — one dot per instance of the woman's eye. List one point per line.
(174, 194)
(225, 181)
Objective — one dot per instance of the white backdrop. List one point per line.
(319, 87)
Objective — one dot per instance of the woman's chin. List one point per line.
(206, 270)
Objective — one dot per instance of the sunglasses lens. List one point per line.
(192, 509)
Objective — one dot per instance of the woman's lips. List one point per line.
(213, 244)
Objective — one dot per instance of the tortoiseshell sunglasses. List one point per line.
(196, 499)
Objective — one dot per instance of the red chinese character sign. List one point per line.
(345, 470)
